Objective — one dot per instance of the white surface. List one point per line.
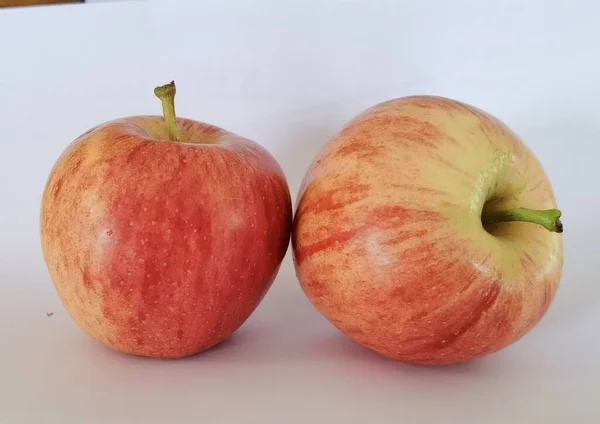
(288, 76)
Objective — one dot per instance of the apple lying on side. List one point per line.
(427, 231)
(162, 235)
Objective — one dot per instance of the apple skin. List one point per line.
(161, 248)
(388, 241)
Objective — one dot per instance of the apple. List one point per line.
(162, 235)
(427, 231)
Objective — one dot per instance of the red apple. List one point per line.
(411, 232)
(163, 235)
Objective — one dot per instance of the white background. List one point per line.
(288, 75)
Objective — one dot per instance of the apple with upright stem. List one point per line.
(162, 235)
(427, 231)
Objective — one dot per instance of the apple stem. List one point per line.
(549, 219)
(166, 94)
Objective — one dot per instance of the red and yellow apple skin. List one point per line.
(388, 240)
(160, 248)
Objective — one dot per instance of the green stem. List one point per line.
(166, 94)
(549, 219)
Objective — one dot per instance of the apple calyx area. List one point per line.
(166, 94)
(549, 219)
